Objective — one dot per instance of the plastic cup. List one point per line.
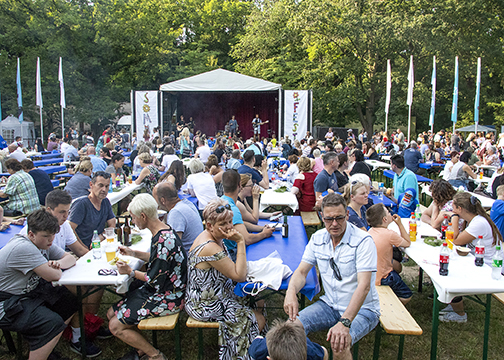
(110, 255)
(109, 234)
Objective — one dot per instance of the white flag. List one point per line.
(62, 86)
(39, 86)
(411, 82)
(389, 87)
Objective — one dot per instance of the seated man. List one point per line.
(259, 178)
(71, 153)
(183, 216)
(379, 218)
(41, 179)
(403, 178)
(497, 212)
(326, 180)
(231, 182)
(346, 259)
(28, 264)
(93, 212)
(286, 341)
(412, 159)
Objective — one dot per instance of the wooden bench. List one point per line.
(499, 296)
(200, 325)
(310, 218)
(394, 319)
(168, 322)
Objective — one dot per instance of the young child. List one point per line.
(379, 218)
(497, 212)
(286, 341)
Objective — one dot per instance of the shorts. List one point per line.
(397, 285)
(40, 323)
(320, 316)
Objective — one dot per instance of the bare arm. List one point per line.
(111, 222)
(406, 242)
(296, 283)
(427, 214)
(145, 171)
(469, 171)
(78, 248)
(253, 238)
(124, 250)
(265, 181)
(246, 216)
(47, 272)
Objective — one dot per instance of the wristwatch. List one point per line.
(346, 322)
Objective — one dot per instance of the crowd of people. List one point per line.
(197, 254)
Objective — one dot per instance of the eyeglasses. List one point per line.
(220, 209)
(334, 267)
(338, 219)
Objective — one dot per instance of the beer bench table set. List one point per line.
(464, 278)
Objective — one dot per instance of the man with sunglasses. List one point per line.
(346, 259)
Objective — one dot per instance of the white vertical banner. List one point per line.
(146, 112)
(295, 113)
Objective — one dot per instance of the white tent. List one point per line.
(471, 128)
(125, 121)
(220, 80)
(10, 127)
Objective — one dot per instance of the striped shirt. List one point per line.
(22, 193)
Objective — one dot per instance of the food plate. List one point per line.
(116, 259)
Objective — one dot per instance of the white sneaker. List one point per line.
(453, 317)
(446, 310)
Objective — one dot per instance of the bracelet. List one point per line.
(132, 274)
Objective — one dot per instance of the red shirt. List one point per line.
(306, 191)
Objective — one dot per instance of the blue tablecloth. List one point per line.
(8, 234)
(127, 153)
(282, 162)
(37, 163)
(53, 169)
(61, 176)
(192, 199)
(430, 165)
(55, 182)
(390, 175)
(47, 156)
(385, 201)
(291, 250)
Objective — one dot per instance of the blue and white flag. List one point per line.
(39, 102)
(389, 87)
(62, 85)
(477, 98)
(19, 95)
(411, 82)
(455, 92)
(433, 97)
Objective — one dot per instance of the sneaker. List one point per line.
(446, 310)
(103, 333)
(91, 349)
(453, 317)
(56, 356)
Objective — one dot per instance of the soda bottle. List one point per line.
(497, 264)
(444, 259)
(444, 226)
(449, 236)
(412, 228)
(481, 174)
(285, 227)
(418, 214)
(480, 252)
(96, 244)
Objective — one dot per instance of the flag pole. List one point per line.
(455, 94)
(477, 97)
(62, 97)
(433, 97)
(409, 101)
(387, 100)
(39, 98)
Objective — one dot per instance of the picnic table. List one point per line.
(430, 165)
(486, 202)
(50, 161)
(46, 156)
(273, 198)
(117, 196)
(375, 164)
(390, 174)
(464, 278)
(6, 235)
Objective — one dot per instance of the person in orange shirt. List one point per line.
(379, 218)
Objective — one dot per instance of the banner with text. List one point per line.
(146, 112)
(296, 113)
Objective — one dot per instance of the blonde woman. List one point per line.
(356, 195)
(79, 183)
(149, 175)
(185, 143)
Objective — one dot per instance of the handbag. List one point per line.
(266, 272)
(12, 213)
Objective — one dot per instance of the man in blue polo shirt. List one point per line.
(403, 178)
(413, 158)
(259, 178)
(326, 180)
(231, 183)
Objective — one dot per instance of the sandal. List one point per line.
(131, 355)
(159, 356)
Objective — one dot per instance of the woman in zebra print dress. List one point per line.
(209, 294)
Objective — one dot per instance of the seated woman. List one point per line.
(175, 174)
(105, 155)
(356, 195)
(149, 175)
(115, 168)
(303, 185)
(319, 163)
(459, 172)
(78, 185)
(251, 215)
(200, 184)
(432, 155)
(492, 157)
(214, 169)
(340, 173)
(211, 271)
(369, 151)
(20, 189)
(360, 167)
(293, 170)
(479, 223)
(442, 194)
(168, 158)
(160, 290)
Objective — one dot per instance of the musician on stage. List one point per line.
(256, 124)
(180, 125)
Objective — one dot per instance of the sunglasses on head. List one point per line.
(220, 209)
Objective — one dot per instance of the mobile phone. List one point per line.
(275, 217)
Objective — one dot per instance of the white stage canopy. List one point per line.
(472, 128)
(220, 80)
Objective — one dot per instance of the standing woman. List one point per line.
(185, 143)
(149, 175)
(356, 195)
(211, 271)
(163, 284)
(468, 208)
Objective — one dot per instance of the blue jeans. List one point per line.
(457, 183)
(397, 285)
(320, 316)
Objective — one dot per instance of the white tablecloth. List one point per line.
(486, 202)
(115, 197)
(86, 273)
(272, 198)
(377, 164)
(464, 278)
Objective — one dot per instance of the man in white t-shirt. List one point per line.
(203, 151)
(200, 184)
(168, 157)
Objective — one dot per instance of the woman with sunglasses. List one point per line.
(356, 195)
(209, 295)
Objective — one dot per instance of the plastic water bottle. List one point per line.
(96, 244)
(381, 189)
(497, 264)
(418, 214)
(444, 260)
(480, 252)
(110, 186)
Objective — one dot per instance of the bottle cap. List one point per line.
(445, 244)
(88, 260)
